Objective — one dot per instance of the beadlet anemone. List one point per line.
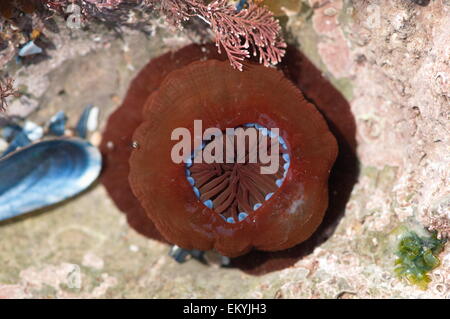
(230, 207)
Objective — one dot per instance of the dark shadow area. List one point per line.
(422, 3)
(336, 110)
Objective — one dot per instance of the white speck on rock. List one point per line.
(93, 261)
(134, 248)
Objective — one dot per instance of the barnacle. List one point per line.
(417, 256)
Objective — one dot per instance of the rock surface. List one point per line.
(391, 60)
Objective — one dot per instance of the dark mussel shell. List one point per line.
(46, 173)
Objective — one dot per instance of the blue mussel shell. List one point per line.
(46, 173)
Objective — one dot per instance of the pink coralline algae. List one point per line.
(333, 50)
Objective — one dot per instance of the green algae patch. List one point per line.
(417, 256)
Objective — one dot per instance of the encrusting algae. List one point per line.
(417, 256)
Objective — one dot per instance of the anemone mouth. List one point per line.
(234, 173)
